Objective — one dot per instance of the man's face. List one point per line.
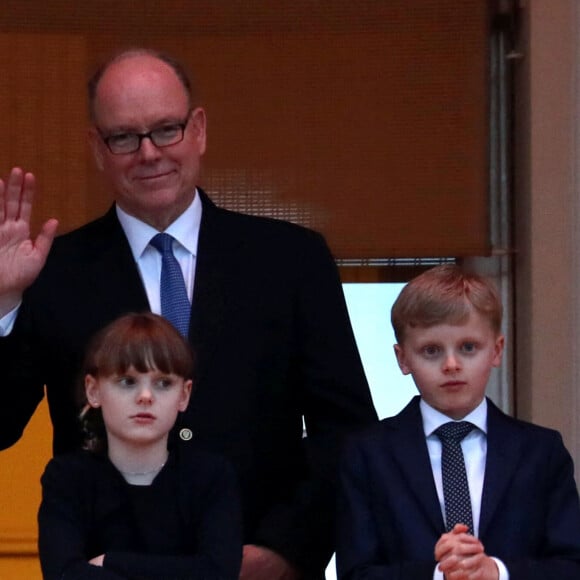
(451, 364)
(136, 95)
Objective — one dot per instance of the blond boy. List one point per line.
(397, 517)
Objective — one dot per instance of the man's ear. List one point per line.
(92, 391)
(198, 125)
(401, 359)
(97, 145)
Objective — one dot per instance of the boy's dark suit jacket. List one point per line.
(390, 519)
(273, 342)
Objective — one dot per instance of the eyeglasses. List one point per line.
(163, 136)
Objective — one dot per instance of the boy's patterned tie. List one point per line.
(455, 487)
(175, 304)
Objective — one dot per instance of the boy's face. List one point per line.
(451, 364)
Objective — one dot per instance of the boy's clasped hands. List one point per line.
(462, 556)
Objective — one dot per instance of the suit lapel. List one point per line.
(111, 270)
(114, 276)
(210, 295)
(411, 453)
(503, 456)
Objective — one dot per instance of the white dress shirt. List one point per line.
(8, 320)
(474, 447)
(185, 230)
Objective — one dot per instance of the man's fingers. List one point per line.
(45, 237)
(28, 189)
(16, 195)
(13, 193)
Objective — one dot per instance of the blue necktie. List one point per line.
(175, 305)
(455, 487)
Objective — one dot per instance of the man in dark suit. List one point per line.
(268, 320)
(523, 514)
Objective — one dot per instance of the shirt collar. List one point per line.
(433, 419)
(185, 229)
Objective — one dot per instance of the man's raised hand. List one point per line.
(21, 257)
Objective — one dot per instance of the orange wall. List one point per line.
(20, 469)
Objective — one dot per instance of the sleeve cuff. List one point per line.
(503, 572)
(8, 320)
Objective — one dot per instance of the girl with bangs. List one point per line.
(131, 505)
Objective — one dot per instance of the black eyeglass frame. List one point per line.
(148, 134)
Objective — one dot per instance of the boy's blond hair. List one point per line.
(445, 295)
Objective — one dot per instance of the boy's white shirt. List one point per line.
(474, 448)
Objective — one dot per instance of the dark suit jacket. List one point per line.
(390, 518)
(185, 526)
(273, 341)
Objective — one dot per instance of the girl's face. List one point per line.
(139, 409)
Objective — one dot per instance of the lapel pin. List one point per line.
(185, 434)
